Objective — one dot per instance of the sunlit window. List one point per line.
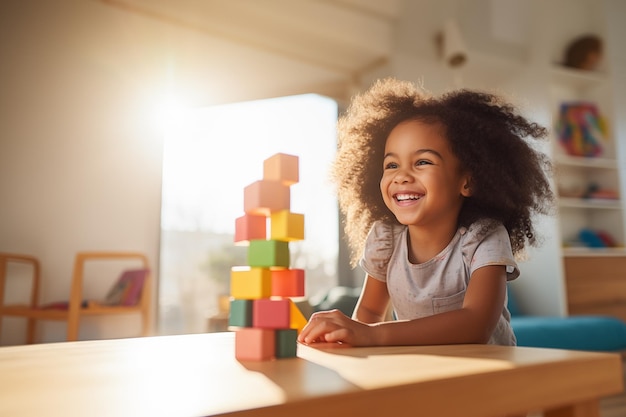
(210, 155)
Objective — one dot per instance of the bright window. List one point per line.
(210, 155)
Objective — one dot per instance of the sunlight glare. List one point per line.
(170, 111)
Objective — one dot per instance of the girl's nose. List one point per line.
(401, 177)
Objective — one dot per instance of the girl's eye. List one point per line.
(391, 165)
(423, 162)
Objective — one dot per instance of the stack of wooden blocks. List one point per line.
(262, 312)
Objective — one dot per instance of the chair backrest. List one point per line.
(8, 258)
(76, 295)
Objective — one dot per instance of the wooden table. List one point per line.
(197, 375)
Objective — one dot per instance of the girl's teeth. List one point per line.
(402, 197)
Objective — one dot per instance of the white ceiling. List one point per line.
(344, 38)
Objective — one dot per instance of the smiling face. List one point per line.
(422, 182)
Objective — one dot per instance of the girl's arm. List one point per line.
(472, 323)
(373, 302)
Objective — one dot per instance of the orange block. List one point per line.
(296, 318)
(288, 282)
(281, 167)
(254, 344)
(249, 227)
(265, 197)
(271, 314)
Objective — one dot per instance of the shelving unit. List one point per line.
(576, 175)
(594, 278)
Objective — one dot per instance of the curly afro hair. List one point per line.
(508, 176)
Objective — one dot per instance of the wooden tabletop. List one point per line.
(198, 375)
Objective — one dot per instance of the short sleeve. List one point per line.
(489, 245)
(378, 250)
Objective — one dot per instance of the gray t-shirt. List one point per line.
(438, 285)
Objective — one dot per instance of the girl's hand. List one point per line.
(333, 326)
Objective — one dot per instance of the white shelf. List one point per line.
(583, 251)
(590, 203)
(586, 162)
(577, 79)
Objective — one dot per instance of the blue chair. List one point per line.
(588, 332)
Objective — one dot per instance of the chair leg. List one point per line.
(72, 327)
(3, 267)
(30, 335)
(145, 323)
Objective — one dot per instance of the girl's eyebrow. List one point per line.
(417, 152)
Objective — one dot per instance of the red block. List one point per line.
(288, 282)
(255, 344)
(271, 314)
(249, 227)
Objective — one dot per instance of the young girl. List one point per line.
(438, 194)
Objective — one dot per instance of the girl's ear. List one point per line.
(466, 191)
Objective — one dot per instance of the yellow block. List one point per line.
(297, 319)
(286, 226)
(250, 283)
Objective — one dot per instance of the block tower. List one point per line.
(262, 313)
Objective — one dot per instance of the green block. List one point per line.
(240, 313)
(267, 253)
(286, 343)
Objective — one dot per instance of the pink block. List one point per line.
(281, 167)
(264, 197)
(255, 344)
(288, 282)
(249, 227)
(270, 314)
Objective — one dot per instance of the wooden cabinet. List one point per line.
(596, 285)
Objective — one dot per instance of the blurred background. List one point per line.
(136, 124)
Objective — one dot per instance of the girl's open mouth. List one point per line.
(407, 197)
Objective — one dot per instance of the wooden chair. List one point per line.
(77, 306)
(5, 260)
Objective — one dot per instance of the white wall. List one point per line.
(617, 57)
(80, 161)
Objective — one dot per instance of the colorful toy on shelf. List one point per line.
(262, 313)
(581, 129)
(596, 239)
(595, 191)
(591, 191)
